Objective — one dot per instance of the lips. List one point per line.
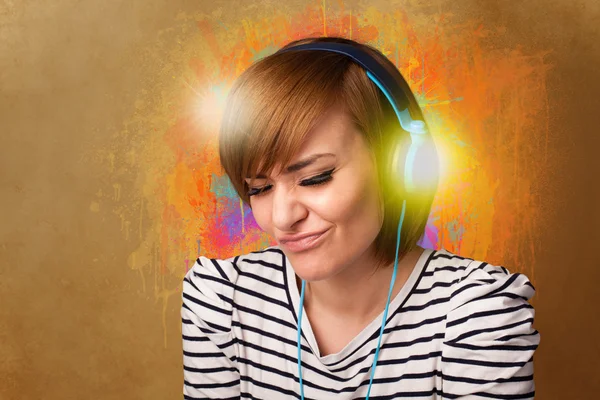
(303, 243)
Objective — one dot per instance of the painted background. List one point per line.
(110, 182)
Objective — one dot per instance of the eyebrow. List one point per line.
(297, 166)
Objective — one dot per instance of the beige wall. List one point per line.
(75, 321)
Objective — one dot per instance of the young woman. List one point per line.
(347, 305)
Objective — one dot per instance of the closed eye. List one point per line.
(314, 181)
(318, 180)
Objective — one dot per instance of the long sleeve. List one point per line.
(490, 339)
(209, 358)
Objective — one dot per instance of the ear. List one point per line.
(380, 197)
(382, 208)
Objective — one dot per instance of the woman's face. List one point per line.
(330, 188)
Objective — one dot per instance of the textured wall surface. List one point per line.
(110, 184)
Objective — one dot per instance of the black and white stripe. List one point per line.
(458, 327)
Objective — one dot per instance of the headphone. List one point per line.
(408, 163)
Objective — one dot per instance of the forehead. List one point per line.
(333, 133)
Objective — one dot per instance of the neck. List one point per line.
(358, 294)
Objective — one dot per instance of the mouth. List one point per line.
(304, 244)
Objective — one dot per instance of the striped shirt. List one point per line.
(458, 327)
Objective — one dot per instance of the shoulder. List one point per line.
(479, 282)
(443, 264)
(489, 332)
(270, 257)
(469, 279)
(227, 271)
(209, 286)
(474, 285)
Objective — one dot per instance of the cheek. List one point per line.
(350, 201)
(261, 211)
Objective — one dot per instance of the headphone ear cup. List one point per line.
(395, 173)
(422, 167)
(412, 166)
(397, 167)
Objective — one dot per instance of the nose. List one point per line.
(288, 209)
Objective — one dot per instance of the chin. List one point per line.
(312, 267)
(314, 276)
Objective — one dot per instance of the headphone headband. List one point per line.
(378, 74)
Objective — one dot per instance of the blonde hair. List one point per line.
(276, 102)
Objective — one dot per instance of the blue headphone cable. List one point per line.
(385, 313)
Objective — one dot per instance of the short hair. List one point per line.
(276, 102)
